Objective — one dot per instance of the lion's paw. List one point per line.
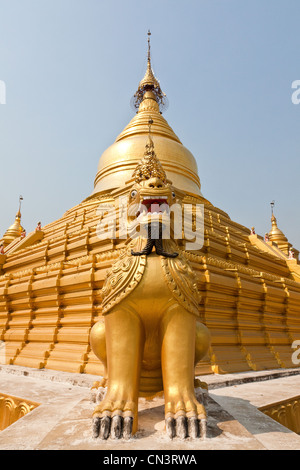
(113, 419)
(185, 418)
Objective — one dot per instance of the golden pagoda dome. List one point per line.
(117, 163)
(278, 237)
(14, 231)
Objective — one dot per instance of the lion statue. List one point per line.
(150, 337)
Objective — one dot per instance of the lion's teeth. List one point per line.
(142, 208)
(155, 197)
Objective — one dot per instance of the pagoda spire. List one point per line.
(149, 46)
(149, 86)
(20, 204)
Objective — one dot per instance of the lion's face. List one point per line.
(150, 200)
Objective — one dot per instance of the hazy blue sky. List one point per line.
(227, 66)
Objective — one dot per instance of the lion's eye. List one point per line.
(133, 193)
(173, 195)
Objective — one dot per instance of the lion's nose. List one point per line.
(154, 183)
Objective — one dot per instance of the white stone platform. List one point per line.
(63, 419)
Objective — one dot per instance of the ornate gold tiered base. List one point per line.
(50, 296)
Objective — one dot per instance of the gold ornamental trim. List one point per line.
(13, 408)
(285, 412)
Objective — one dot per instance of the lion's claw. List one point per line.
(96, 426)
(115, 427)
(170, 427)
(193, 427)
(127, 427)
(183, 427)
(203, 428)
(105, 427)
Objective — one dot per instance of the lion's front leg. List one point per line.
(185, 416)
(116, 415)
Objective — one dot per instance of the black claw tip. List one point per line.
(203, 428)
(193, 427)
(105, 427)
(116, 427)
(127, 430)
(96, 427)
(181, 427)
(171, 427)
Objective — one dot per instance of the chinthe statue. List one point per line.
(150, 337)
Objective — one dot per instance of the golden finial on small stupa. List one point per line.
(275, 233)
(149, 166)
(15, 230)
(20, 203)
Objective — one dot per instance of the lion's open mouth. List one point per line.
(154, 205)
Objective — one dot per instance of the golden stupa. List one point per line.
(51, 280)
(15, 230)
